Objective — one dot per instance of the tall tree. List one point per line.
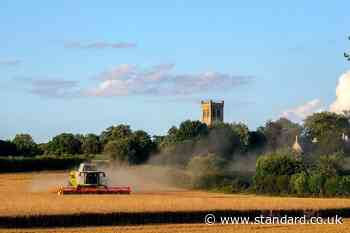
(319, 125)
(133, 149)
(143, 146)
(7, 148)
(289, 131)
(257, 140)
(330, 165)
(327, 128)
(115, 133)
(223, 140)
(242, 131)
(191, 129)
(91, 144)
(280, 133)
(65, 143)
(121, 150)
(25, 145)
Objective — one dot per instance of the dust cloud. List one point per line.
(48, 181)
(144, 178)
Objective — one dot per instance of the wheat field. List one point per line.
(193, 228)
(32, 193)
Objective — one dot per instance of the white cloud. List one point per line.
(160, 80)
(342, 101)
(128, 79)
(299, 113)
(110, 88)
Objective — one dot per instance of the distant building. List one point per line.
(212, 112)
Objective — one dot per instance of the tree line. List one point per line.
(119, 142)
(207, 154)
(321, 133)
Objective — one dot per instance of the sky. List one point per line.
(82, 66)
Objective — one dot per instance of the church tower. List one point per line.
(212, 112)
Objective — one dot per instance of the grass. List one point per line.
(32, 194)
(194, 228)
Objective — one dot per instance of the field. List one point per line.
(33, 194)
(193, 228)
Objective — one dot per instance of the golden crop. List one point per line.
(31, 193)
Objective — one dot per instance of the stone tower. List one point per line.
(212, 112)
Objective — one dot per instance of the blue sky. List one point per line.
(81, 66)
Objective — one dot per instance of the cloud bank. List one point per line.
(299, 113)
(99, 45)
(341, 103)
(129, 79)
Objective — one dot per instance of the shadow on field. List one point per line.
(143, 218)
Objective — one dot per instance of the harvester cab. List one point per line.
(87, 175)
(89, 180)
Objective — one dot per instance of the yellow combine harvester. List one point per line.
(89, 180)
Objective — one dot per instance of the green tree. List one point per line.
(321, 177)
(289, 131)
(332, 186)
(158, 142)
(7, 148)
(315, 183)
(190, 130)
(330, 165)
(223, 140)
(25, 145)
(65, 143)
(272, 132)
(299, 183)
(278, 163)
(280, 133)
(282, 184)
(135, 149)
(143, 146)
(172, 131)
(121, 150)
(327, 128)
(257, 141)
(274, 170)
(344, 185)
(115, 133)
(43, 148)
(204, 170)
(171, 138)
(91, 144)
(242, 131)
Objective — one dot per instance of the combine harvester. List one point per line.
(89, 180)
